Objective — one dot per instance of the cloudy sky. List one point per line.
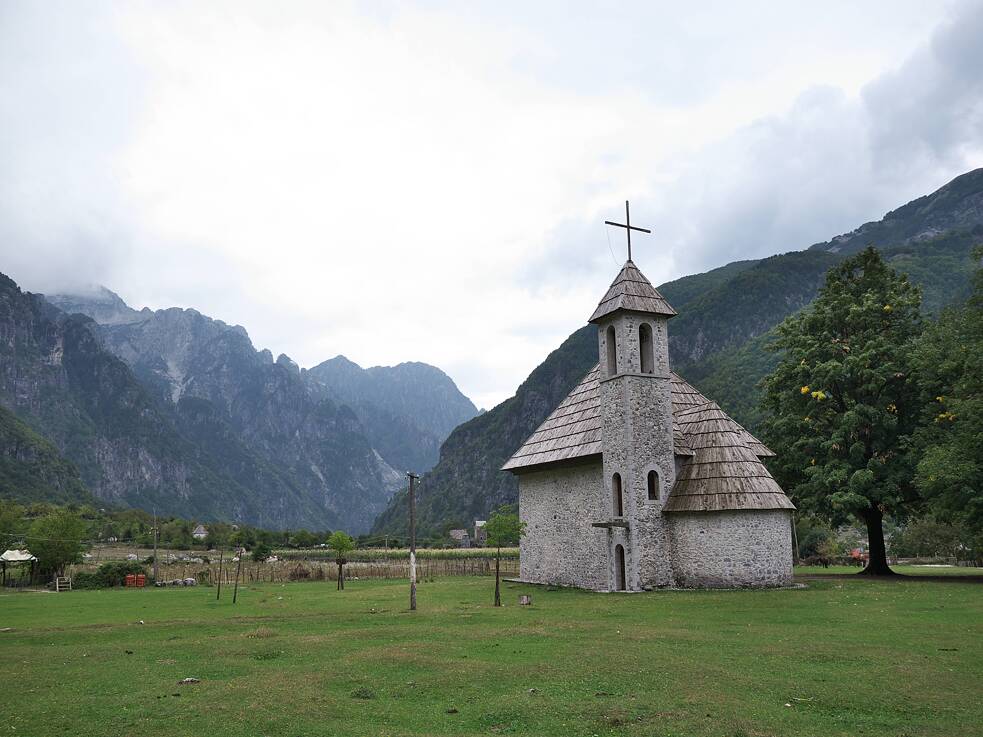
(428, 181)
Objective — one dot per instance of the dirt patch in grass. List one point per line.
(260, 633)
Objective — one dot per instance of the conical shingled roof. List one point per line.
(632, 291)
(725, 472)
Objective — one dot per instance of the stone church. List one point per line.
(638, 481)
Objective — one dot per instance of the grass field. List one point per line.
(905, 570)
(842, 657)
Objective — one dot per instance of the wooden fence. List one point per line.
(283, 571)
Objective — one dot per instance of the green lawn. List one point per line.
(906, 570)
(846, 657)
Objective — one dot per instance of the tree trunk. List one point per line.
(341, 577)
(877, 561)
(498, 592)
(795, 543)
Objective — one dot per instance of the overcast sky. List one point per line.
(428, 181)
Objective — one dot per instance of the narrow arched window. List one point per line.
(645, 348)
(612, 344)
(653, 485)
(616, 496)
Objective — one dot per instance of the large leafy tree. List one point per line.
(950, 365)
(502, 528)
(57, 540)
(843, 402)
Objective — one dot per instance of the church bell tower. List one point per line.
(636, 428)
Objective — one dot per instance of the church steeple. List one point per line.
(636, 426)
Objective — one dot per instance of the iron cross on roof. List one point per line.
(628, 227)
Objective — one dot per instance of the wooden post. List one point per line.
(498, 594)
(221, 555)
(235, 591)
(156, 537)
(413, 478)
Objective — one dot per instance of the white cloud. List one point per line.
(398, 182)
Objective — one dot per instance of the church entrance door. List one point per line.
(619, 568)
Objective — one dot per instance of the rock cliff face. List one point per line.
(300, 456)
(175, 410)
(407, 410)
(57, 378)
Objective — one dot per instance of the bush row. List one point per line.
(109, 575)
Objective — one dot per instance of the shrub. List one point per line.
(109, 575)
(86, 581)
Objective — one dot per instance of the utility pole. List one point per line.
(156, 536)
(235, 591)
(413, 478)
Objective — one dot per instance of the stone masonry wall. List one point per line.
(749, 548)
(560, 547)
(636, 436)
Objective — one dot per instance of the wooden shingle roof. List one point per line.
(573, 430)
(725, 472)
(632, 291)
(723, 469)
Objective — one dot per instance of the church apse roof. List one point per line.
(725, 471)
(632, 291)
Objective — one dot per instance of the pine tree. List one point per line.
(843, 402)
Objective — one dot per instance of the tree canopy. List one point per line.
(503, 527)
(949, 359)
(341, 542)
(56, 540)
(843, 402)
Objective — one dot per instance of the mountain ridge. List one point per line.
(717, 342)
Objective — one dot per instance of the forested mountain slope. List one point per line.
(718, 341)
(32, 469)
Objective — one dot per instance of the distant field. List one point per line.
(374, 554)
(843, 657)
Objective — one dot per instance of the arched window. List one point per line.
(616, 496)
(645, 348)
(653, 485)
(619, 568)
(612, 345)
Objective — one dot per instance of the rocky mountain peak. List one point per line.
(101, 304)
